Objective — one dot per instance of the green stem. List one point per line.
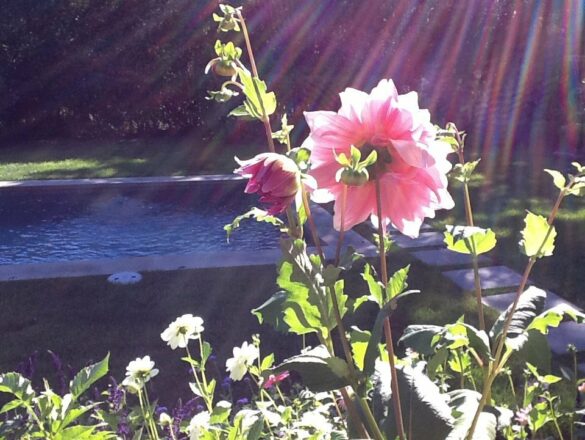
(342, 225)
(151, 421)
(312, 226)
(469, 218)
(554, 416)
(198, 382)
(498, 364)
(462, 372)
(387, 327)
(32, 413)
(265, 119)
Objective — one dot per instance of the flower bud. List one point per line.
(275, 177)
(352, 177)
(221, 67)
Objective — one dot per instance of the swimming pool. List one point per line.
(95, 227)
(91, 222)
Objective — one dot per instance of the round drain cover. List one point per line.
(124, 278)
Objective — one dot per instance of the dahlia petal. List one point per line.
(322, 195)
(329, 127)
(352, 104)
(413, 153)
(359, 204)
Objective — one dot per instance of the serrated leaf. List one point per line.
(255, 213)
(318, 369)
(419, 338)
(374, 286)
(464, 404)
(578, 187)
(558, 179)
(463, 173)
(359, 342)
(13, 404)
(372, 350)
(17, 385)
(397, 283)
(530, 304)
(425, 409)
(535, 241)
(469, 239)
(272, 311)
(256, 95)
(88, 376)
(241, 112)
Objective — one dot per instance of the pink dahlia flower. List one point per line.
(411, 164)
(275, 177)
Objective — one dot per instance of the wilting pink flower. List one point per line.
(411, 165)
(273, 379)
(275, 177)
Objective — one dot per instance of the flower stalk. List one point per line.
(460, 138)
(265, 119)
(387, 327)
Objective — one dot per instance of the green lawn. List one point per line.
(163, 157)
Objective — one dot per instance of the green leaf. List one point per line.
(464, 404)
(374, 286)
(221, 412)
(272, 311)
(302, 214)
(387, 242)
(73, 414)
(256, 95)
(466, 335)
(578, 187)
(17, 385)
(13, 404)
(78, 433)
(255, 213)
(397, 283)
(319, 371)
(372, 350)
(530, 304)
(282, 135)
(267, 362)
(348, 258)
(301, 313)
(88, 376)
(419, 338)
(241, 112)
(308, 307)
(535, 241)
(553, 317)
(425, 410)
(558, 179)
(359, 342)
(463, 173)
(469, 239)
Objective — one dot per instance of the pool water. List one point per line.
(50, 225)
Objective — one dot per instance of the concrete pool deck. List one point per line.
(168, 262)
